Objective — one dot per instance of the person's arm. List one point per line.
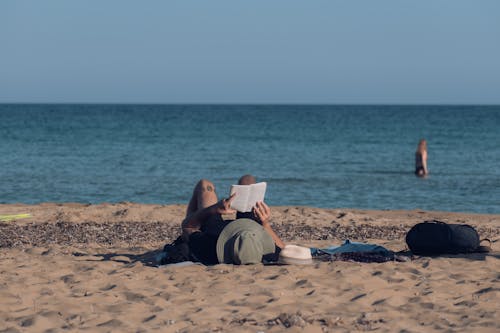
(424, 162)
(194, 221)
(263, 213)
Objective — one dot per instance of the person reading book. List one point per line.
(246, 240)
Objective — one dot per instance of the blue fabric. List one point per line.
(349, 246)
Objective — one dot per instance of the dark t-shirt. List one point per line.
(203, 243)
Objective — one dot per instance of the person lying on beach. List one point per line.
(246, 240)
(421, 159)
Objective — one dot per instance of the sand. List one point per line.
(74, 267)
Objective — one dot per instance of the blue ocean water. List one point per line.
(321, 156)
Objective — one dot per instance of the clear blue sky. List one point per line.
(250, 51)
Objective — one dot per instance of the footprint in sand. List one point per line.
(46, 292)
(428, 306)
(68, 279)
(355, 298)
(145, 320)
(469, 304)
(26, 321)
(486, 290)
(111, 323)
(303, 284)
(379, 301)
(108, 287)
(136, 298)
(414, 299)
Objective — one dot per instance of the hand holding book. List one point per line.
(262, 212)
(224, 205)
(247, 196)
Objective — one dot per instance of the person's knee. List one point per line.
(205, 185)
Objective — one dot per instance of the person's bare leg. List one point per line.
(203, 196)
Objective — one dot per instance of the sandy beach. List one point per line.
(74, 267)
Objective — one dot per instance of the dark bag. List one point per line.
(175, 252)
(435, 237)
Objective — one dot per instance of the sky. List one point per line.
(283, 52)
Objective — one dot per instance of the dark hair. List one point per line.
(246, 180)
(422, 146)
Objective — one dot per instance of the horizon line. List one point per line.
(246, 104)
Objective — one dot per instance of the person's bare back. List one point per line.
(421, 159)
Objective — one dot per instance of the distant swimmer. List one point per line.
(421, 159)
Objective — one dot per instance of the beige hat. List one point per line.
(242, 242)
(295, 255)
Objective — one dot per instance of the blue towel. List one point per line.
(349, 246)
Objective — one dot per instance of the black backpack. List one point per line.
(175, 252)
(436, 237)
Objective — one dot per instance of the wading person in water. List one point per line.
(247, 240)
(421, 159)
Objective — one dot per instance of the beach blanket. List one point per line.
(367, 257)
(355, 251)
(176, 254)
(351, 247)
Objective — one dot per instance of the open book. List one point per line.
(247, 196)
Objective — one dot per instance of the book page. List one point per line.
(247, 196)
(240, 200)
(257, 193)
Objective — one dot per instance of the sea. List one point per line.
(328, 156)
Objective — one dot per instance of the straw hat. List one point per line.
(295, 255)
